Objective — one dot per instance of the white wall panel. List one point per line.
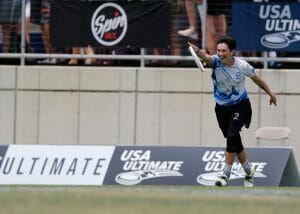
(164, 106)
(63, 78)
(99, 122)
(27, 118)
(58, 118)
(7, 109)
(148, 120)
(180, 119)
(127, 118)
(7, 77)
(211, 134)
(28, 78)
(107, 79)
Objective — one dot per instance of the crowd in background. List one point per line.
(185, 26)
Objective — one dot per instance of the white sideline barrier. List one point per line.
(134, 165)
(131, 106)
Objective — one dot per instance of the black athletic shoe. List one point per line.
(222, 181)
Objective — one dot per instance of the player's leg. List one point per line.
(249, 171)
(224, 179)
(241, 115)
(242, 157)
(223, 116)
(232, 142)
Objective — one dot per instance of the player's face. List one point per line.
(224, 53)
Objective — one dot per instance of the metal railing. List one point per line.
(142, 57)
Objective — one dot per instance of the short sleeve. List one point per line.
(216, 61)
(247, 69)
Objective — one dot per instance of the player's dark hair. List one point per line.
(230, 41)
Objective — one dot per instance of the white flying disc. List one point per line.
(196, 59)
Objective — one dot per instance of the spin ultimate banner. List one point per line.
(79, 23)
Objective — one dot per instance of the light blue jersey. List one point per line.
(229, 81)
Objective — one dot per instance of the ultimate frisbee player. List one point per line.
(233, 108)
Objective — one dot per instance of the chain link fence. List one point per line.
(25, 30)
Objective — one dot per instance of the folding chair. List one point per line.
(273, 134)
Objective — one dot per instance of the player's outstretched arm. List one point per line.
(264, 86)
(208, 59)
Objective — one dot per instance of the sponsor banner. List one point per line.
(139, 165)
(3, 150)
(151, 165)
(54, 165)
(192, 166)
(110, 23)
(269, 26)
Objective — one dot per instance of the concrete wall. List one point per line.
(131, 106)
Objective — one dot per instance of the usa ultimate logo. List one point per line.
(215, 163)
(279, 19)
(138, 166)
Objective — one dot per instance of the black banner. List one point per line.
(110, 23)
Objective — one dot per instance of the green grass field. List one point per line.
(147, 199)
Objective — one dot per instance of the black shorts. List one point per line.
(218, 7)
(10, 11)
(40, 11)
(231, 119)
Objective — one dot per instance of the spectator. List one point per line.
(175, 49)
(40, 14)
(6, 30)
(27, 25)
(216, 23)
(192, 17)
(177, 8)
(10, 12)
(76, 50)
